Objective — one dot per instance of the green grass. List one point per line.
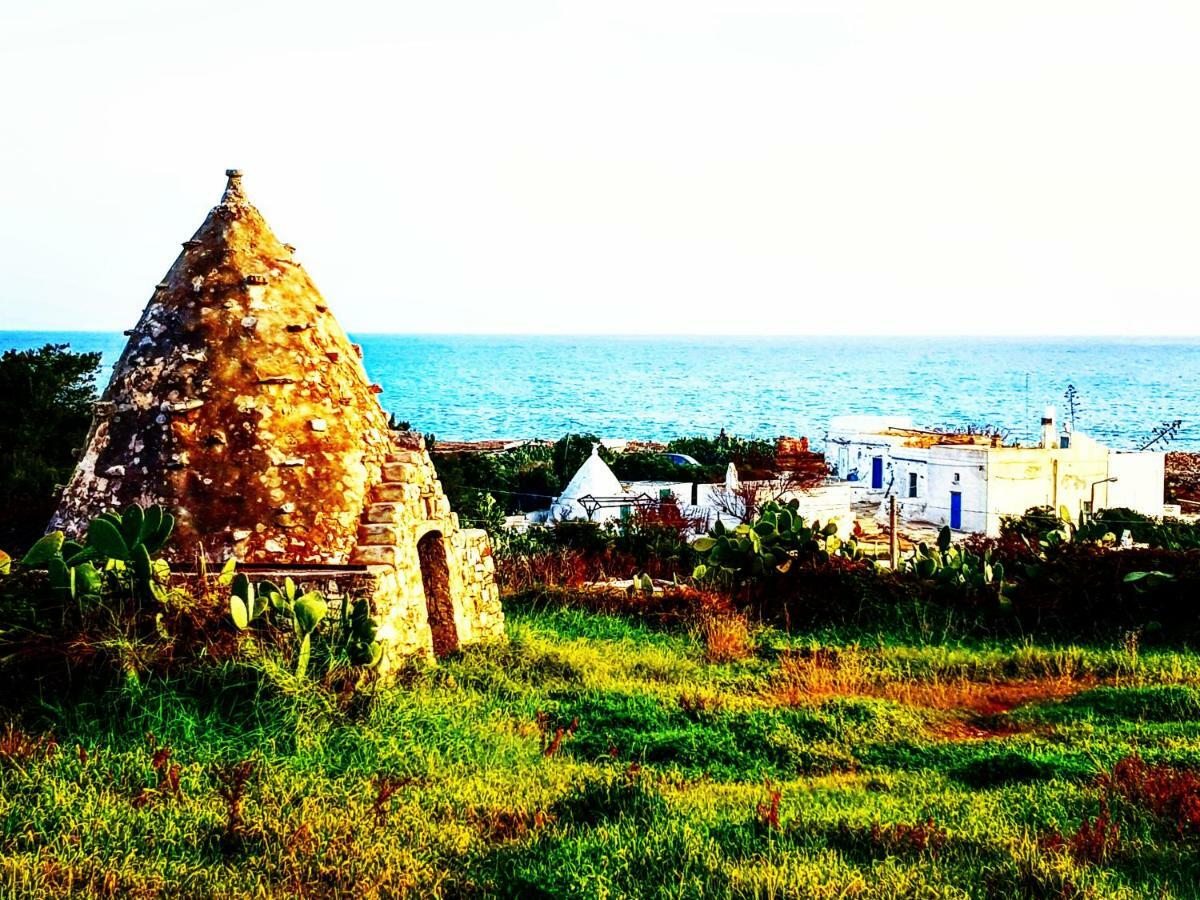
(662, 789)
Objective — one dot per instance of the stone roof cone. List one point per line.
(239, 404)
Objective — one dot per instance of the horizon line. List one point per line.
(700, 334)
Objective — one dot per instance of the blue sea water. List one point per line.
(473, 386)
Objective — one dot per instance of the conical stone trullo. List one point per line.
(240, 405)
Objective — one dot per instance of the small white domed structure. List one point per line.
(594, 481)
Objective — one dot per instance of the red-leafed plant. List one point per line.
(1170, 795)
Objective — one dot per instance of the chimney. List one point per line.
(1049, 432)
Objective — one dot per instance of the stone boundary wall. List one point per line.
(406, 506)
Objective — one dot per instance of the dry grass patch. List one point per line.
(726, 638)
(983, 698)
(811, 675)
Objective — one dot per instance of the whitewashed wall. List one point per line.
(1140, 481)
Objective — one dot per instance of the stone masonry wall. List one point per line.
(404, 507)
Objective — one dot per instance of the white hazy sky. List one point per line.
(745, 166)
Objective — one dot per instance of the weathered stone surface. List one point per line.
(376, 555)
(385, 512)
(390, 492)
(214, 354)
(417, 508)
(240, 404)
(378, 534)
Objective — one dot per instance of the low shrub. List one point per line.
(1031, 524)
(1154, 703)
(1095, 841)
(574, 554)
(1167, 534)
(883, 840)
(672, 606)
(1017, 766)
(1171, 796)
(609, 796)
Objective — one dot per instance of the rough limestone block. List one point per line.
(394, 471)
(385, 512)
(389, 492)
(374, 555)
(379, 534)
(406, 457)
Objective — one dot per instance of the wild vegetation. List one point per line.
(45, 408)
(761, 713)
(593, 754)
(483, 487)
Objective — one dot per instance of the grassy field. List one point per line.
(589, 756)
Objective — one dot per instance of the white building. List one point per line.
(969, 481)
(708, 503)
(593, 493)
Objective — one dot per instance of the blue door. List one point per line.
(876, 473)
(956, 510)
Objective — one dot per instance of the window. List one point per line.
(912, 484)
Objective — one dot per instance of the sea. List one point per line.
(469, 387)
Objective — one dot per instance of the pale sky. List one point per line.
(619, 167)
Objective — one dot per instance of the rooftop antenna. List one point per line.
(1026, 419)
(1162, 435)
(1072, 398)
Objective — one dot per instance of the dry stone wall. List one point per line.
(406, 507)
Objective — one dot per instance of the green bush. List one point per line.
(747, 454)
(1169, 534)
(46, 398)
(1031, 524)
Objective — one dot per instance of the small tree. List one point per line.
(46, 398)
(743, 501)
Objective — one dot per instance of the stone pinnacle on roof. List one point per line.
(233, 187)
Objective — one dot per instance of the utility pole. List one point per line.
(893, 536)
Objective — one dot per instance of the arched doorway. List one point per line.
(435, 576)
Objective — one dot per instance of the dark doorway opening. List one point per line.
(435, 576)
